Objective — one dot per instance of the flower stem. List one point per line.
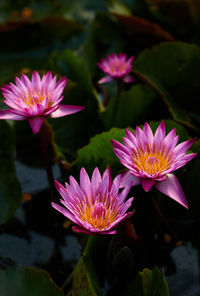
(169, 228)
(46, 155)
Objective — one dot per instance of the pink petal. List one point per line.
(36, 123)
(7, 114)
(65, 110)
(128, 79)
(172, 188)
(183, 147)
(79, 229)
(85, 182)
(105, 79)
(64, 211)
(148, 133)
(147, 183)
(128, 179)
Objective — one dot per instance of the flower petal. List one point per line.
(172, 188)
(127, 179)
(7, 114)
(36, 123)
(105, 79)
(147, 183)
(65, 110)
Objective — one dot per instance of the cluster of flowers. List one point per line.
(97, 205)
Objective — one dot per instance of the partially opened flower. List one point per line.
(116, 67)
(151, 159)
(36, 99)
(96, 205)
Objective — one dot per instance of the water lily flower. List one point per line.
(151, 159)
(116, 67)
(96, 205)
(36, 99)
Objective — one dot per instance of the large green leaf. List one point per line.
(99, 152)
(10, 192)
(172, 70)
(72, 132)
(85, 279)
(27, 282)
(148, 283)
(130, 107)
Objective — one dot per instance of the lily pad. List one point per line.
(28, 281)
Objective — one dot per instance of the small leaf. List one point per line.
(27, 282)
(10, 191)
(148, 282)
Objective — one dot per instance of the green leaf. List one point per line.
(10, 191)
(130, 107)
(172, 70)
(148, 283)
(74, 131)
(85, 278)
(27, 282)
(99, 152)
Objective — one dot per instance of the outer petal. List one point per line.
(6, 114)
(65, 110)
(105, 79)
(128, 79)
(128, 179)
(36, 123)
(171, 187)
(147, 183)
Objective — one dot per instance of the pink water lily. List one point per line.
(95, 206)
(116, 67)
(151, 159)
(36, 99)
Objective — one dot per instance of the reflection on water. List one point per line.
(185, 282)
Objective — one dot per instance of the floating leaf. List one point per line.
(72, 132)
(172, 70)
(99, 152)
(130, 107)
(141, 26)
(28, 281)
(10, 192)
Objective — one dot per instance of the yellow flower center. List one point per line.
(98, 215)
(152, 163)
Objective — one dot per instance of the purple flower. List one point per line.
(95, 206)
(150, 159)
(116, 67)
(36, 99)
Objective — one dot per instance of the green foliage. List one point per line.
(172, 70)
(99, 152)
(10, 192)
(28, 281)
(130, 107)
(70, 132)
(148, 283)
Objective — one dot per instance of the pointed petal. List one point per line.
(64, 211)
(7, 114)
(184, 146)
(147, 183)
(36, 123)
(172, 188)
(128, 79)
(128, 179)
(79, 229)
(65, 110)
(105, 79)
